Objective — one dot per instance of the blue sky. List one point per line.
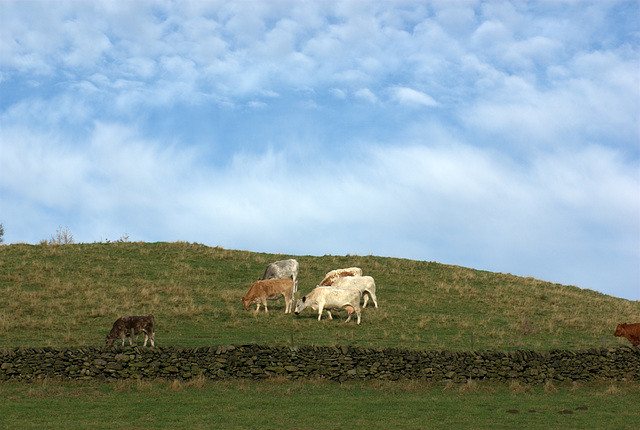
(501, 136)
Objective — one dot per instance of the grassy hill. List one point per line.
(71, 294)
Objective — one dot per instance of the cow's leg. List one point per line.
(320, 309)
(366, 299)
(146, 338)
(329, 314)
(358, 314)
(374, 298)
(287, 304)
(153, 338)
(264, 302)
(257, 307)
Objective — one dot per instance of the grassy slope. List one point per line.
(71, 294)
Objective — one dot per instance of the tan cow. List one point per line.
(331, 276)
(269, 289)
(133, 325)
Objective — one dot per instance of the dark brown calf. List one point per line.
(630, 331)
(133, 325)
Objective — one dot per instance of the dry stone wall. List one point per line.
(335, 363)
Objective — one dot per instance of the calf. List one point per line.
(331, 298)
(133, 325)
(283, 269)
(331, 276)
(630, 331)
(269, 289)
(365, 284)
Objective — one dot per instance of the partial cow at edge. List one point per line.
(269, 289)
(331, 276)
(283, 269)
(630, 331)
(133, 325)
(331, 298)
(365, 284)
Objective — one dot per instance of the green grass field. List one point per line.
(69, 295)
(316, 404)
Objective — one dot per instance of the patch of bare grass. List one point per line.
(549, 387)
(516, 387)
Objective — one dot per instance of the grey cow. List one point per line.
(283, 269)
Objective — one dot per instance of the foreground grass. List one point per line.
(71, 294)
(316, 404)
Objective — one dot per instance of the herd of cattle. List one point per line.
(341, 289)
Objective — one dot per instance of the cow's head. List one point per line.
(109, 341)
(620, 329)
(301, 304)
(246, 303)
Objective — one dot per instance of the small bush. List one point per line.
(62, 237)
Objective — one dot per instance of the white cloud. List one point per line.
(367, 95)
(413, 97)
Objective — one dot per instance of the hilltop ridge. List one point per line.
(71, 294)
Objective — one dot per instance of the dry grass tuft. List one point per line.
(470, 387)
(549, 387)
(176, 385)
(612, 389)
(516, 387)
(197, 382)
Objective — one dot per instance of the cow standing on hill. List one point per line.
(365, 284)
(330, 298)
(283, 269)
(630, 331)
(133, 325)
(269, 289)
(331, 276)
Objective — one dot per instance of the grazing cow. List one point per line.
(330, 298)
(364, 284)
(132, 326)
(331, 276)
(271, 289)
(283, 269)
(630, 331)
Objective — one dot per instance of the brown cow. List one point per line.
(271, 289)
(331, 276)
(630, 331)
(133, 325)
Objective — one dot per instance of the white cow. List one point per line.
(331, 298)
(283, 269)
(365, 284)
(331, 276)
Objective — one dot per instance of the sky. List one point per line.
(501, 136)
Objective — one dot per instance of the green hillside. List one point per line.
(71, 294)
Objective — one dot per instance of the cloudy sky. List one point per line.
(501, 136)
